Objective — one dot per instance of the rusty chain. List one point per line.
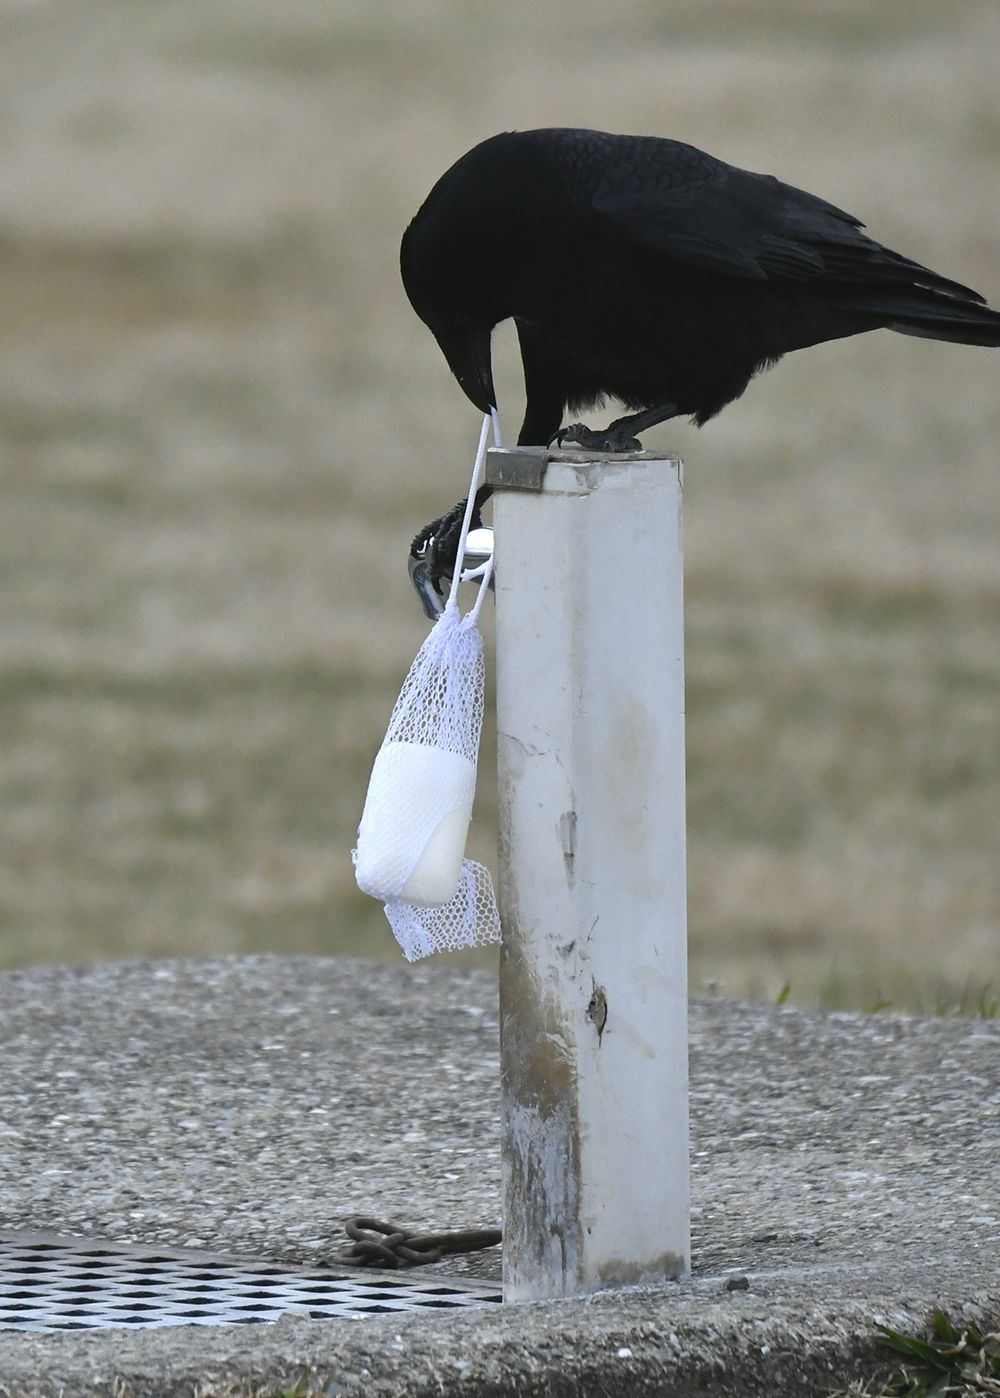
(375, 1243)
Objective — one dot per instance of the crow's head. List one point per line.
(453, 286)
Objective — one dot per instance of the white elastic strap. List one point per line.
(485, 570)
(484, 573)
(470, 505)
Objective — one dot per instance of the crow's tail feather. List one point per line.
(932, 315)
(957, 329)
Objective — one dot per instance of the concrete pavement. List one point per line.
(848, 1166)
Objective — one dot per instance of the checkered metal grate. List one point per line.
(53, 1283)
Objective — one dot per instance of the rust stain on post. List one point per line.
(567, 838)
(597, 1010)
(541, 1136)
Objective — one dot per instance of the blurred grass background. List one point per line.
(216, 408)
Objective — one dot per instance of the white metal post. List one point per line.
(593, 979)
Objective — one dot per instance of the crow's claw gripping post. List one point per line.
(612, 439)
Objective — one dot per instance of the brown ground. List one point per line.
(215, 404)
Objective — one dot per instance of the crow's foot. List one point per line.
(614, 438)
(618, 436)
(432, 557)
(445, 533)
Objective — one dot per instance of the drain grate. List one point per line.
(53, 1283)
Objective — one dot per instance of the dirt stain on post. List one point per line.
(541, 1128)
(597, 1011)
(567, 839)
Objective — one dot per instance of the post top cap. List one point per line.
(523, 468)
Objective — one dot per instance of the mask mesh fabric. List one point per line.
(411, 839)
(412, 832)
(469, 919)
(441, 702)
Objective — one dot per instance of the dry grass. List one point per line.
(214, 404)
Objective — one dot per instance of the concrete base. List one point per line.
(845, 1165)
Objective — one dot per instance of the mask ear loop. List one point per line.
(470, 505)
(485, 571)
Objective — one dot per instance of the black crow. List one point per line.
(644, 270)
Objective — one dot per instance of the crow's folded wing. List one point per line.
(705, 215)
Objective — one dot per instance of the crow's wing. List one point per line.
(705, 215)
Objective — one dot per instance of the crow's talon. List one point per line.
(432, 558)
(612, 440)
(437, 542)
(423, 541)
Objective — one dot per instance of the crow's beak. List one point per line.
(467, 351)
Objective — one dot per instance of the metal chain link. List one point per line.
(375, 1243)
